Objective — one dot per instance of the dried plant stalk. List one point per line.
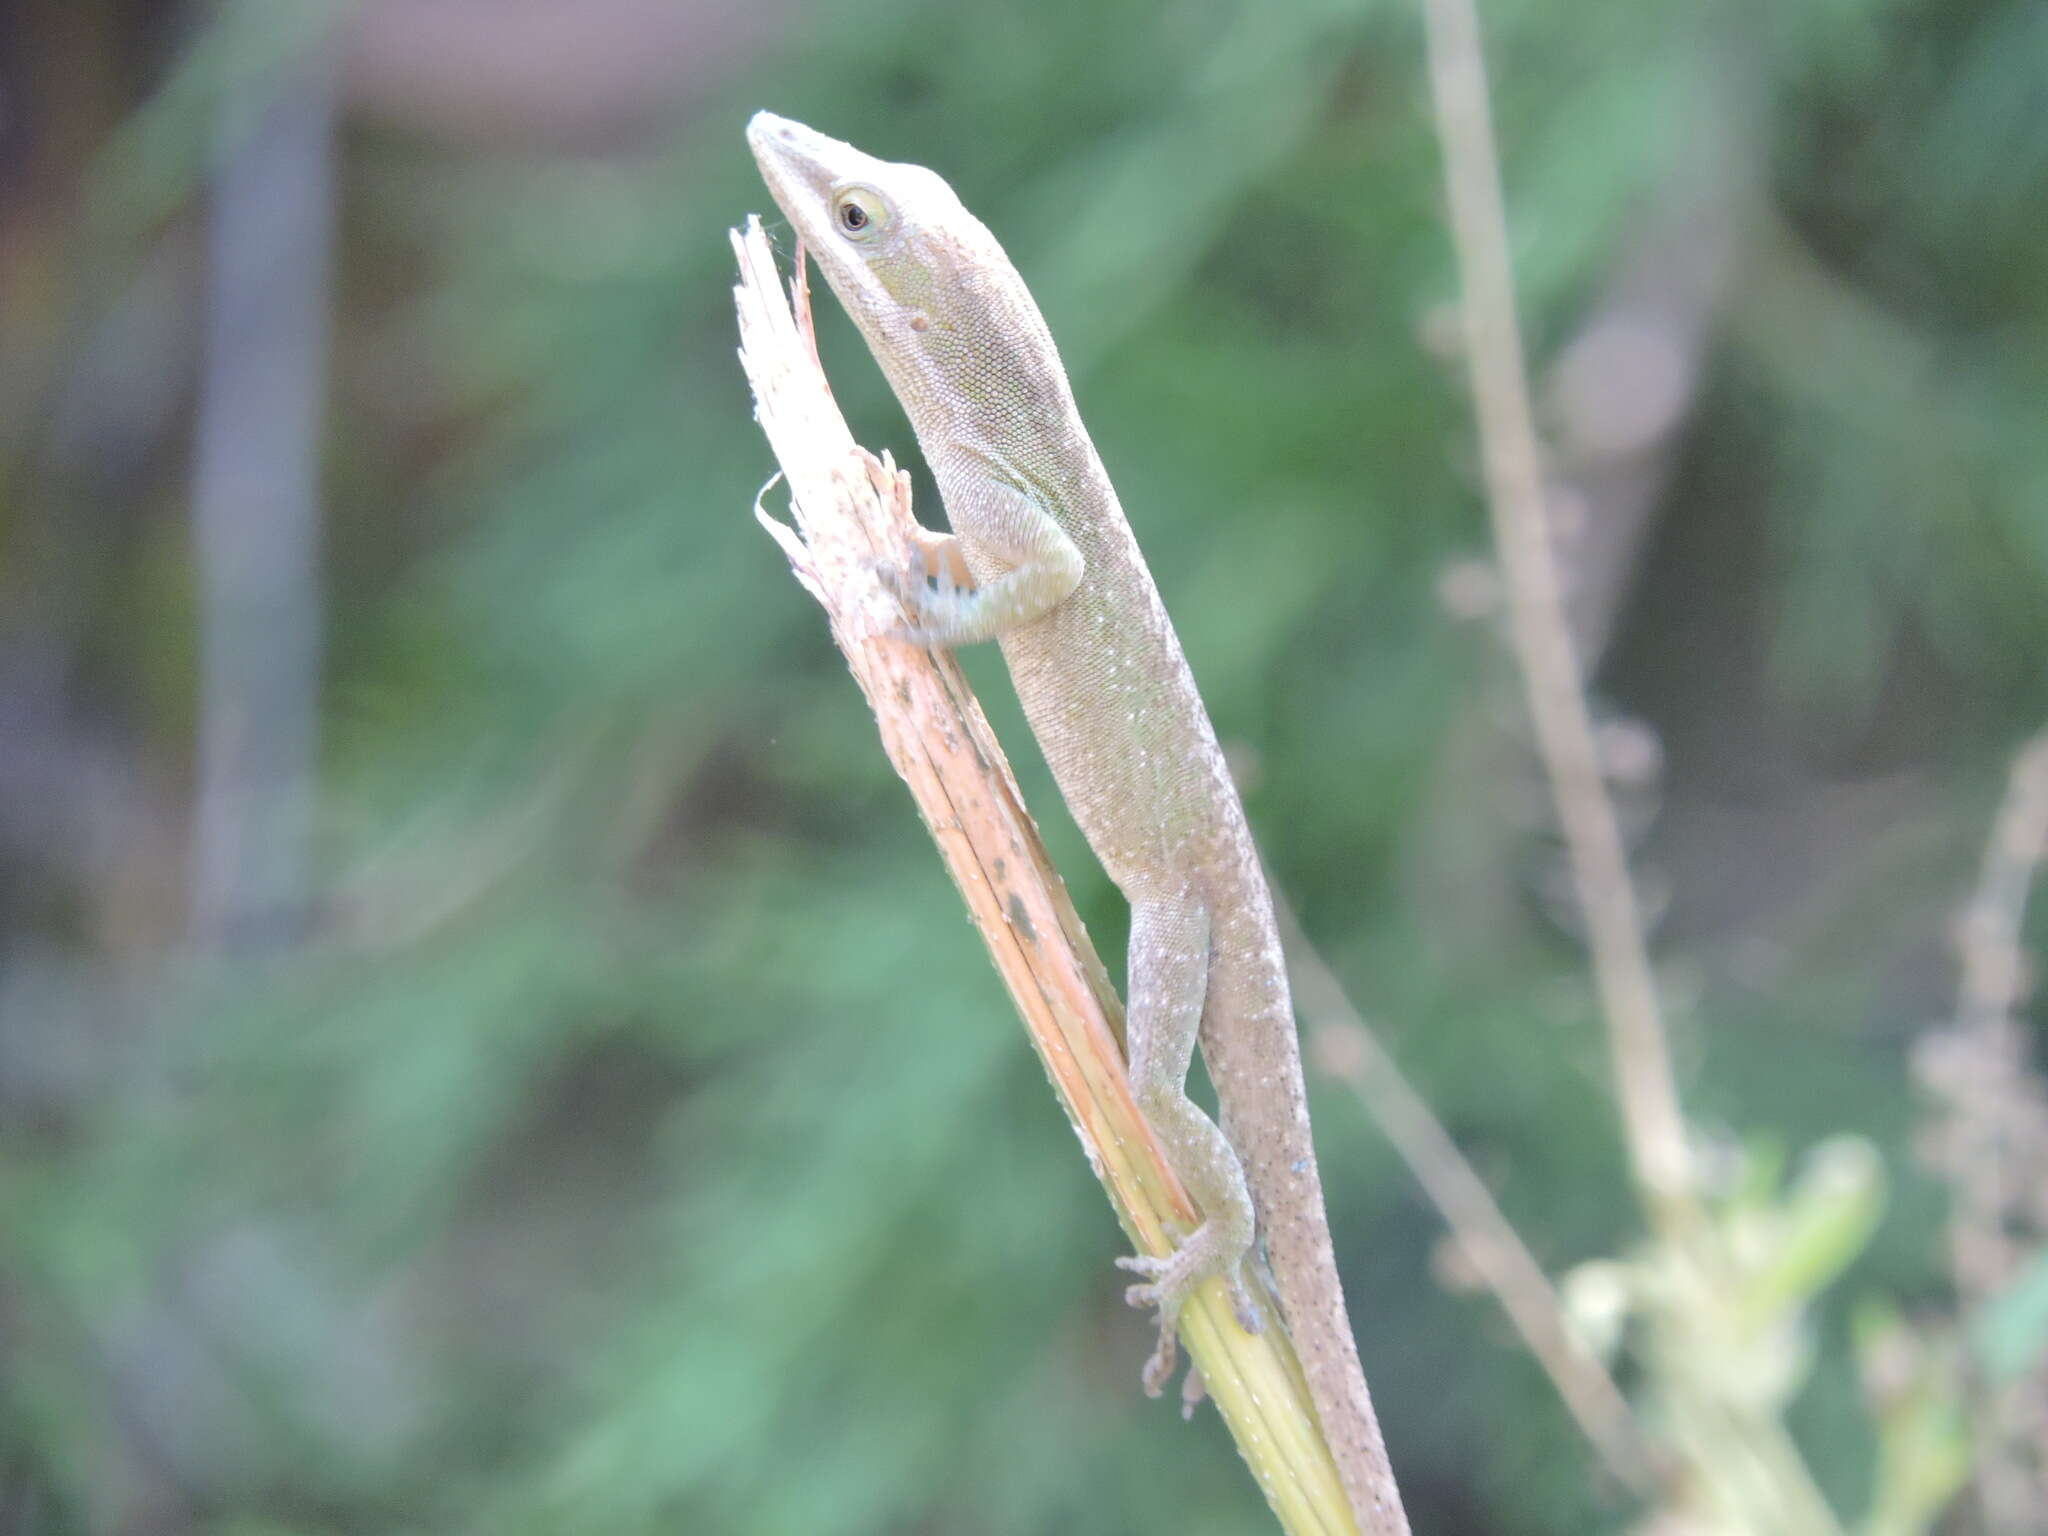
(1989, 1135)
(853, 512)
(1646, 1086)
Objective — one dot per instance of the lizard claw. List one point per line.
(1163, 1286)
(1170, 1279)
(925, 584)
(1249, 1316)
(1166, 1286)
(1165, 1356)
(1143, 1263)
(1158, 1290)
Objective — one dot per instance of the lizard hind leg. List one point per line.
(1169, 969)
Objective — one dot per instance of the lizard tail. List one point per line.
(1254, 1020)
(1306, 1273)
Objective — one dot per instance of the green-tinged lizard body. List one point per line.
(1060, 584)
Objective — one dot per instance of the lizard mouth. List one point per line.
(804, 169)
(793, 157)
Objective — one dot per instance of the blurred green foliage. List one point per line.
(639, 1141)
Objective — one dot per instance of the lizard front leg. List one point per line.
(1041, 566)
(1169, 973)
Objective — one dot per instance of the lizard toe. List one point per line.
(1165, 1356)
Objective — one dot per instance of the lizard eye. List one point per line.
(860, 212)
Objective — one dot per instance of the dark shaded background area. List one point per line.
(484, 1045)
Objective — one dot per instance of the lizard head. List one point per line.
(913, 267)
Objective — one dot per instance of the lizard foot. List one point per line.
(1159, 1365)
(1170, 1280)
(1167, 1285)
(929, 581)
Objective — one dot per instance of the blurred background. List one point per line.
(485, 1045)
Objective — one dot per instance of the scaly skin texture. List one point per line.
(1059, 582)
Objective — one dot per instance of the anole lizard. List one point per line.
(1057, 579)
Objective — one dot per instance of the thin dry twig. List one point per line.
(1993, 963)
(1344, 1045)
(854, 511)
(1644, 1079)
(1745, 1464)
(1991, 1141)
(256, 512)
(1739, 1453)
